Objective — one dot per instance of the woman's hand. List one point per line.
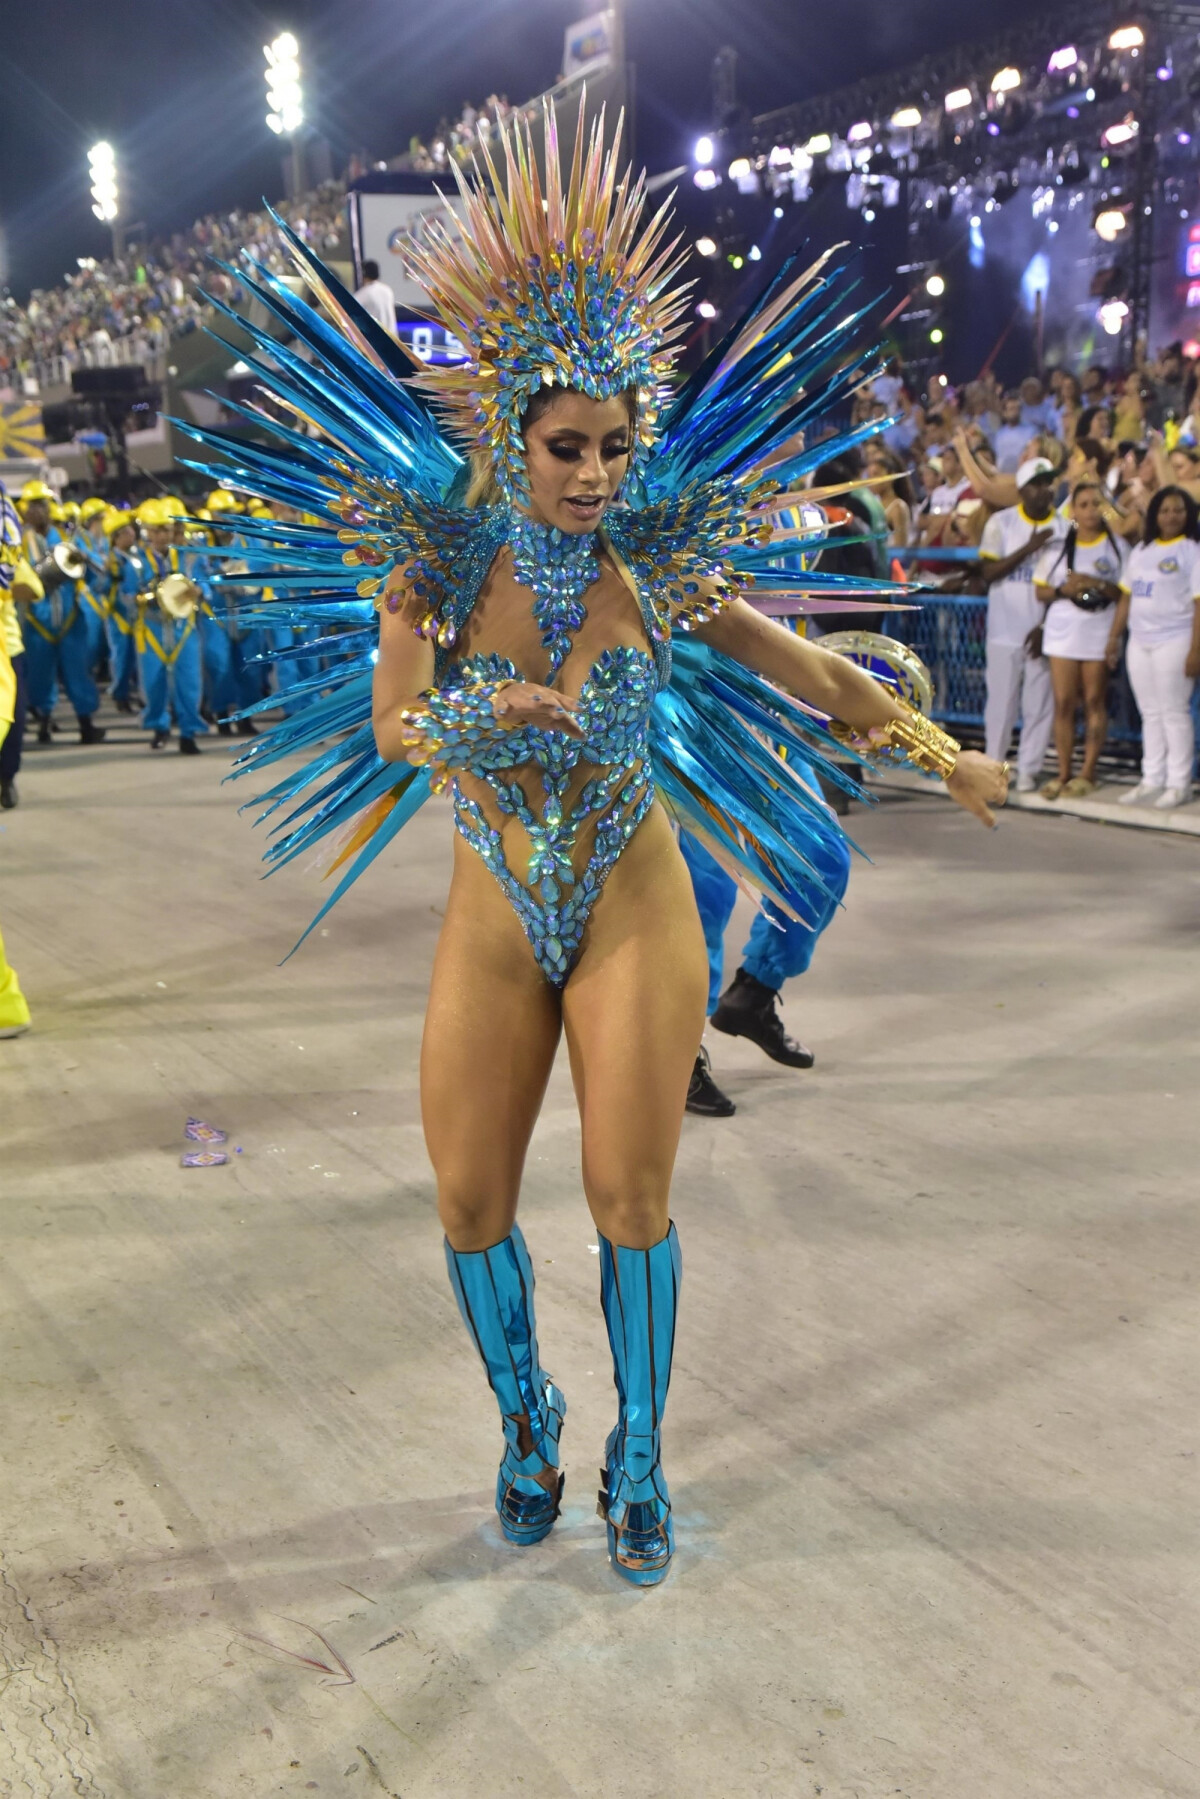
(1112, 652)
(977, 784)
(525, 705)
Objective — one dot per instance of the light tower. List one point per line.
(285, 98)
(106, 200)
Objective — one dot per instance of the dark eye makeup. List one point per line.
(569, 450)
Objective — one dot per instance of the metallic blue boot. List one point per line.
(494, 1290)
(639, 1290)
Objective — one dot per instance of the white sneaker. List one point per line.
(1026, 783)
(1170, 797)
(1139, 795)
(13, 1030)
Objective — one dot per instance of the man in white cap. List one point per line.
(1018, 675)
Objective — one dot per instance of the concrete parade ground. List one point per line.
(933, 1441)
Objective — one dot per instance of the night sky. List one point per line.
(177, 85)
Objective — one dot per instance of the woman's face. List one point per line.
(1085, 509)
(1185, 468)
(576, 455)
(1172, 516)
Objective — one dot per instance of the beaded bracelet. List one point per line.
(452, 724)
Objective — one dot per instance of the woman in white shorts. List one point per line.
(1078, 581)
(1161, 602)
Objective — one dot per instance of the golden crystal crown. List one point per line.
(549, 288)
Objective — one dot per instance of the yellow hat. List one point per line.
(173, 506)
(92, 508)
(259, 509)
(221, 500)
(35, 490)
(115, 521)
(58, 513)
(151, 512)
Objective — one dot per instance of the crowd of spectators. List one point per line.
(951, 457)
(455, 142)
(127, 309)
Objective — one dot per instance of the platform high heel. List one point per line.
(639, 1290)
(494, 1289)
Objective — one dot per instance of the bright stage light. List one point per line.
(703, 151)
(285, 96)
(102, 167)
(1062, 61)
(706, 310)
(906, 118)
(820, 145)
(936, 335)
(1005, 80)
(1123, 132)
(936, 285)
(739, 168)
(1110, 223)
(1128, 37)
(706, 179)
(1112, 316)
(755, 253)
(957, 98)
(859, 133)
(706, 246)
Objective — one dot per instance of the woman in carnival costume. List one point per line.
(562, 641)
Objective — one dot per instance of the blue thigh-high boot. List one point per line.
(494, 1290)
(639, 1290)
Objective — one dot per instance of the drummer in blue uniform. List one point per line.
(53, 625)
(248, 676)
(290, 671)
(167, 639)
(127, 576)
(91, 541)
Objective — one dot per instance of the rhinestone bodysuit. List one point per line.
(555, 898)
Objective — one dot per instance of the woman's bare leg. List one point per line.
(491, 1032)
(1064, 674)
(633, 1011)
(1095, 707)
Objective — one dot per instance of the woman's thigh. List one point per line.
(633, 1012)
(1064, 674)
(491, 1032)
(1095, 684)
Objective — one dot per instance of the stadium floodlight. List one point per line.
(859, 133)
(703, 151)
(1123, 132)
(739, 168)
(102, 167)
(285, 95)
(957, 98)
(1005, 80)
(706, 179)
(706, 246)
(936, 335)
(1127, 37)
(706, 310)
(1109, 223)
(1062, 61)
(906, 118)
(1112, 316)
(936, 285)
(820, 145)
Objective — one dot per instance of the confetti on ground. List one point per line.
(202, 1158)
(196, 1131)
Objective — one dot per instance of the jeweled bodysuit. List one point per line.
(530, 773)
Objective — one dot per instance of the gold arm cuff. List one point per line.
(911, 738)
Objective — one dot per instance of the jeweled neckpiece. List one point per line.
(557, 567)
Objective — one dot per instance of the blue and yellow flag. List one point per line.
(21, 432)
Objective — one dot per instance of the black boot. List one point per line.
(246, 727)
(188, 746)
(124, 706)
(44, 728)
(704, 1097)
(749, 1008)
(90, 733)
(160, 740)
(224, 728)
(8, 795)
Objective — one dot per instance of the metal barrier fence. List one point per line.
(949, 634)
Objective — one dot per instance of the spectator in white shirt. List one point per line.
(1078, 581)
(1018, 678)
(1161, 604)
(377, 298)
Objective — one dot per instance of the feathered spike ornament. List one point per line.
(546, 288)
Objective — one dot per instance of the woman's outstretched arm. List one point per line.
(846, 692)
